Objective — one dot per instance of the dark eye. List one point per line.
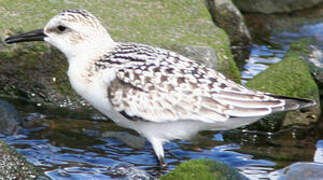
(61, 28)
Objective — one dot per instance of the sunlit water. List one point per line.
(113, 159)
(75, 149)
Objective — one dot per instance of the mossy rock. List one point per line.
(15, 166)
(290, 77)
(36, 72)
(204, 169)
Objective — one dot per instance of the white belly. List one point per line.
(95, 92)
(94, 89)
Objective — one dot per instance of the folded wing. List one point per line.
(160, 86)
(158, 96)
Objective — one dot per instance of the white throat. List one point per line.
(86, 50)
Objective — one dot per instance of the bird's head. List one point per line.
(72, 32)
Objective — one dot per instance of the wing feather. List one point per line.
(166, 101)
(169, 87)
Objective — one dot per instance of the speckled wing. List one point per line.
(180, 89)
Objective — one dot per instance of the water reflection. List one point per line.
(260, 57)
(113, 159)
(72, 153)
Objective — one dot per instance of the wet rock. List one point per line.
(9, 118)
(290, 77)
(301, 171)
(228, 17)
(202, 54)
(129, 172)
(36, 72)
(14, 166)
(203, 169)
(274, 6)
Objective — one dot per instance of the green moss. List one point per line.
(228, 67)
(28, 72)
(203, 169)
(290, 77)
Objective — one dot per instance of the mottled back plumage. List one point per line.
(157, 85)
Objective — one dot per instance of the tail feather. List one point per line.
(294, 103)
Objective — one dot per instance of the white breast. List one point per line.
(94, 89)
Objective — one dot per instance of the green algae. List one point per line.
(290, 77)
(203, 169)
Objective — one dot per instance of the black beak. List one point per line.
(35, 35)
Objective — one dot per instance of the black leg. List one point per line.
(161, 161)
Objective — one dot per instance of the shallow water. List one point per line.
(74, 147)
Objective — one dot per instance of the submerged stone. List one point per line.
(9, 118)
(136, 142)
(129, 172)
(301, 171)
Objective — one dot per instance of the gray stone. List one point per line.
(301, 171)
(9, 118)
(14, 166)
(208, 56)
(129, 172)
(274, 6)
(202, 54)
(228, 17)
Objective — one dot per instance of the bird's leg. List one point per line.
(159, 151)
(161, 161)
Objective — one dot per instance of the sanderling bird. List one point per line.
(158, 93)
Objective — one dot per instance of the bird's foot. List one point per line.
(162, 163)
